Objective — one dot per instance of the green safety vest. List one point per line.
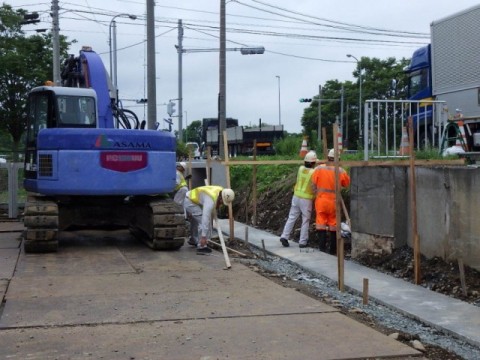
(303, 187)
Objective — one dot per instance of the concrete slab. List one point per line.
(8, 260)
(298, 336)
(9, 226)
(3, 288)
(111, 297)
(10, 240)
(62, 300)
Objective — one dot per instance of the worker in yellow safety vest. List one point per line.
(181, 186)
(302, 201)
(200, 204)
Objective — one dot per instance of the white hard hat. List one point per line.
(182, 165)
(311, 156)
(227, 196)
(331, 153)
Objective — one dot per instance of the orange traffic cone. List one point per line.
(304, 148)
(404, 144)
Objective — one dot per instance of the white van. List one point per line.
(194, 149)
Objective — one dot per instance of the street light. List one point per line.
(113, 54)
(359, 97)
(279, 108)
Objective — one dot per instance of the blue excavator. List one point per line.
(89, 163)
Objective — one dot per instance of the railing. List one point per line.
(385, 119)
(11, 188)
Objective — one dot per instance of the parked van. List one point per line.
(194, 149)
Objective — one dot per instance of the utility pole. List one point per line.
(151, 70)
(56, 43)
(180, 91)
(222, 93)
(319, 113)
(341, 110)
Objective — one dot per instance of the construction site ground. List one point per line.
(105, 295)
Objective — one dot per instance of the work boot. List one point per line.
(284, 242)
(322, 240)
(333, 243)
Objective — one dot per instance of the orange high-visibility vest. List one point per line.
(324, 179)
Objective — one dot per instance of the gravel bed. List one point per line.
(388, 317)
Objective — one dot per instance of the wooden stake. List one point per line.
(413, 193)
(324, 142)
(365, 291)
(461, 269)
(209, 163)
(345, 212)
(227, 177)
(246, 235)
(229, 249)
(254, 185)
(338, 204)
(264, 250)
(222, 242)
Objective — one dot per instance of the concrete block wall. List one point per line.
(448, 211)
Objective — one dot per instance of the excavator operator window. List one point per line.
(38, 111)
(76, 111)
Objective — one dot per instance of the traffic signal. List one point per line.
(30, 19)
(252, 51)
(305, 100)
(170, 108)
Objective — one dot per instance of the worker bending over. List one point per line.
(323, 179)
(302, 201)
(200, 204)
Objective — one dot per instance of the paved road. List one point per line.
(107, 296)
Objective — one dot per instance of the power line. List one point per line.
(344, 26)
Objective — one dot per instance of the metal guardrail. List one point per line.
(384, 120)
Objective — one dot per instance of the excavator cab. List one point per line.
(56, 107)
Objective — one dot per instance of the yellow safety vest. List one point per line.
(182, 183)
(303, 187)
(213, 191)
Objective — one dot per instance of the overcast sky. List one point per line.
(306, 44)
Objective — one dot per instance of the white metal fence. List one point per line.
(384, 120)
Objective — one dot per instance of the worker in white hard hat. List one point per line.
(181, 186)
(323, 179)
(302, 201)
(200, 204)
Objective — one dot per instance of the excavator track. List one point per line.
(41, 221)
(161, 224)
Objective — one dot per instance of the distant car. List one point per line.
(194, 149)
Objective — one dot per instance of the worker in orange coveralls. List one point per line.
(323, 179)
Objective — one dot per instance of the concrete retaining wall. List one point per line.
(448, 209)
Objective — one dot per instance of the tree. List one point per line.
(377, 76)
(25, 62)
(194, 132)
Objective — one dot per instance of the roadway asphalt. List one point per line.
(450, 315)
(108, 296)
